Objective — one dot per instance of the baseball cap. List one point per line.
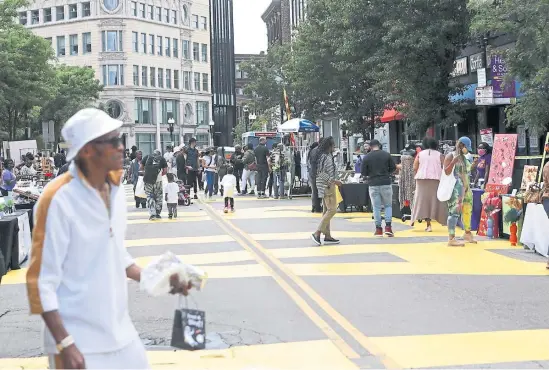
(375, 142)
(85, 126)
(466, 141)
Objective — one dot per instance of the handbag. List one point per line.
(534, 194)
(446, 186)
(140, 188)
(189, 328)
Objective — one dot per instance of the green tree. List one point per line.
(75, 88)
(421, 40)
(528, 59)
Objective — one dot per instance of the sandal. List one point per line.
(429, 229)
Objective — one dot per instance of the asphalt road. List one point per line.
(275, 301)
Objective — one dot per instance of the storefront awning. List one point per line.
(391, 115)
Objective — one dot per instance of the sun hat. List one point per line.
(466, 141)
(85, 126)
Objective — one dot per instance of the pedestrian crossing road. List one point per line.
(275, 301)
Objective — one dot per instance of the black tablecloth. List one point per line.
(355, 195)
(30, 208)
(9, 241)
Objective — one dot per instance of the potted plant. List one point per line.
(512, 216)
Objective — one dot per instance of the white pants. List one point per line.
(133, 356)
(247, 175)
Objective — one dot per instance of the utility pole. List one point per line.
(246, 117)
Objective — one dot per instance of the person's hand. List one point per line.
(338, 182)
(179, 287)
(72, 358)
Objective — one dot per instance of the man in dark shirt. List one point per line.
(192, 166)
(238, 165)
(261, 155)
(378, 168)
(155, 167)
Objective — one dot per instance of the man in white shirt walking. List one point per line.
(78, 269)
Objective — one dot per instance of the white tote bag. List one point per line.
(446, 186)
(140, 188)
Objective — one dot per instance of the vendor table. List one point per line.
(355, 195)
(30, 207)
(534, 229)
(14, 240)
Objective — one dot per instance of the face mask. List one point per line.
(481, 152)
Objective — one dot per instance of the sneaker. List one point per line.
(170, 217)
(379, 232)
(225, 210)
(389, 231)
(232, 210)
(469, 238)
(455, 243)
(316, 239)
(152, 218)
(158, 217)
(252, 192)
(195, 196)
(331, 241)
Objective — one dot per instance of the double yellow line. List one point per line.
(265, 259)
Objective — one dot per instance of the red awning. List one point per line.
(391, 115)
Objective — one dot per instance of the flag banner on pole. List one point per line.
(287, 105)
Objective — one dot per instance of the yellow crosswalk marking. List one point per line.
(466, 348)
(165, 219)
(178, 241)
(340, 234)
(205, 258)
(310, 355)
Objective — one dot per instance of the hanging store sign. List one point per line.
(484, 95)
(481, 77)
(499, 71)
(460, 67)
(476, 61)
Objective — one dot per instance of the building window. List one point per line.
(23, 18)
(133, 8)
(73, 44)
(174, 16)
(196, 81)
(202, 113)
(86, 43)
(112, 40)
(114, 109)
(176, 79)
(73, 12)
(144, 43)
(185, 49)
(135, 42)
(168, 78)
(175, 48)
(205, 82)
(144, 77)
(168, 47)
(142, 10)
(205, 53)
(204, 23)
(150, 13)
(160, 78)
(35, 16)
(158, 14)
(111, 5)
(187, 80)
(196, 51)
(145, 142)
(113, 75)
(195, 21)
(49, 40)
(143, 112)
(136, 75)
(86, 9)
(169, 110)
(153, 77)
(159, 45)
(167, 15)
(47, 15)
(60, 46)
(151, 44)
(59, 13)
(202, 140)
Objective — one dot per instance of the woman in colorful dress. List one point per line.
(482, 163)
(460, 203)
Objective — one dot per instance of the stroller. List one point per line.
(184, 194)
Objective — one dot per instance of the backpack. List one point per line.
(152, 169)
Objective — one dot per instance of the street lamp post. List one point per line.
(246, 117)
(171, 123)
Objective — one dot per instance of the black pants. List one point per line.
(229, 200)
(262, 174)
(270, 183)
(314, 197)
(238, 174)
(172, 210)
(192, 179)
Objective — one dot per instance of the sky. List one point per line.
(250, 33)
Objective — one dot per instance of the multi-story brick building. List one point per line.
(153, 57)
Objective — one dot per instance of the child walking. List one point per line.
(171, 191)
(229, 185)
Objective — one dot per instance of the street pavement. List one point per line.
(274, 301)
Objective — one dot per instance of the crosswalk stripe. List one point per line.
(180, 213)
(165, 219)
(205, 258)
(178, 240)
(309, 355)
(466, 348)
(342, 234)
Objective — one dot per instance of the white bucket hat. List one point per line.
(85, 126)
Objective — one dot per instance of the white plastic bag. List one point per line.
(155, 277)
(140, 188)
(446, 186)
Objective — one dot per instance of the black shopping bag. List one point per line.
(189, 329)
